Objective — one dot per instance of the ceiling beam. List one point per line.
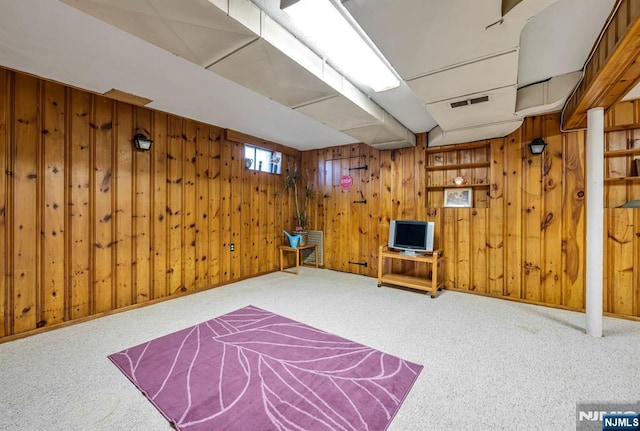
(613, 68)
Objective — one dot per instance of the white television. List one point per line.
(411, 236)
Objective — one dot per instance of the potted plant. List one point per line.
(292, 182)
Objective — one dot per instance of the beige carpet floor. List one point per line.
(489, 364)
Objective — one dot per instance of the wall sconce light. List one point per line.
(537, 146)
(459, 181)
(142, 142)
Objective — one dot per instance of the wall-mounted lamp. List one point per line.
(142, 142)
(537, 146)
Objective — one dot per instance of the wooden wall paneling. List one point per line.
(435, 197)
(355, 231)
(386, 204)
(5, 150)
(282, 203)
(341, 215)
(175, 209)
(68, 148)
(620, 244)
(374, 218)
(398, 201)
(408, 187)
(103, 203)
(349, 220)
(573, 221)
(513, 188)
(269, 261)
(81, 234)
(480, 258)
(551, 226)
(463, 249)
(203, 231)
(633, 188)
(257, 214)
(161, 212)
(448, 243)
(383, 189)
(452, 158)
(621, 114)
(190, 192)
(360, 227)
(421, 176)
(532, 215)
(332, 169)
(616, 191)
(26, 226)
(408, 201)
(123, 187)
(420, 211)
(482, 175)
(607, 271)
(313, 163)
(249, 219)
(465, 156)
(345, 239)
(142, 219)
(237, 156)
(53, 232)
(495, 233)
(636, 268)
(320, 194)
(215, 204)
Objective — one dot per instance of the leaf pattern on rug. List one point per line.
(255, 370)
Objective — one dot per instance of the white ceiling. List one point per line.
(225, 63)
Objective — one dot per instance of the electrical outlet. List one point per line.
(232, 247)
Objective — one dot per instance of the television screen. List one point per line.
(411, 236)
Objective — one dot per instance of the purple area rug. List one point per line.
(254, 370)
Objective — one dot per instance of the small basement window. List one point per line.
(260, 159)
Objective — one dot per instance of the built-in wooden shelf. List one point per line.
(459, 166)
(621, 153)
(447, 186)
(612, 179)
(449, 148)
(620, 128)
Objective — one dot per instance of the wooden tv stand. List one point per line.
(387, 277)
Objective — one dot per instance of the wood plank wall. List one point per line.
(523, 240)
(622, 240)
(89, 225)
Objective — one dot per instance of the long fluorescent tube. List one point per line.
(325, 26)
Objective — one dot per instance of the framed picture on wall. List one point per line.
(458, 197)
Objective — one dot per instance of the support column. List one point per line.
(594, 179)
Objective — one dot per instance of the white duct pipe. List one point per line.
(594, 177)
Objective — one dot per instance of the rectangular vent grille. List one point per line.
(459, 104)
(479, 100)
(315, 237)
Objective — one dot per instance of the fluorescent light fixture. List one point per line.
(326, 27)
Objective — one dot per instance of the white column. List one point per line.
(594, 178)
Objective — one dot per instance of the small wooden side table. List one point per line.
(296, 250)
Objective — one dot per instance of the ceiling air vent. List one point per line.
(479, 100)
(459, 104)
